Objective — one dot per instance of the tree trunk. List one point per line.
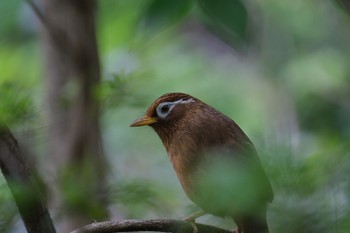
(23, 185)
(72, 75)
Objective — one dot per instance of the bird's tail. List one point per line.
(252, 225)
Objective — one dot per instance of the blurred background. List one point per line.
(280, 69)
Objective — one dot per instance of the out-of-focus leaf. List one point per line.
(114, 91)
(15, 106)
(135, 192)
(334, 115)
(227, 18)
(344, 4)
(162, 13)
(138, 196)
(8, 209)
(8, 20)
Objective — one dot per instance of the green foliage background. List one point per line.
(281, 72)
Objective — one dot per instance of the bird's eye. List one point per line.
(164, 109)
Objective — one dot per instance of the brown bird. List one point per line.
(215, 162)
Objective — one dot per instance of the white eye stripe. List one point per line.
(164, 109)
(182, 101)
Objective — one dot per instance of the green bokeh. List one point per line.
(289, 92)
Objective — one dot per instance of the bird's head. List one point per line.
(179, 117)
(167, 111)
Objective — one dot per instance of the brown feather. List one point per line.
(196, 136)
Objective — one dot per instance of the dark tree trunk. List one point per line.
(23, 186)
(72, 74)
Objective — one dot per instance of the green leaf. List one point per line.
(344, 4)
(15, 104)
(163, 13)
(228, 19)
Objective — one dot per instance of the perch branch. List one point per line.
(158, 225)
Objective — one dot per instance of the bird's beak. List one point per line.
(144, 120)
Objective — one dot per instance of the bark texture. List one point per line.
(72, 74)
(25, 191)
(155, 225)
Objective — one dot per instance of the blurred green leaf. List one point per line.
(136, 191)
(228, 18)
(115, 90)
(9, 21)
(8, 208)
(77, 190)
(15, 105)
(163, 13)
(344, 4)
(321, 114)
(139, 196)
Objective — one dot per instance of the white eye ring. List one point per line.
(164, 109)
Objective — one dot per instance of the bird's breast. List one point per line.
(185, 161)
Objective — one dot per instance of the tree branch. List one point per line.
(158, 225)
(31, 207)
(55, 33)
(38, 13)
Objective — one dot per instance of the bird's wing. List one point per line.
(228, 169)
